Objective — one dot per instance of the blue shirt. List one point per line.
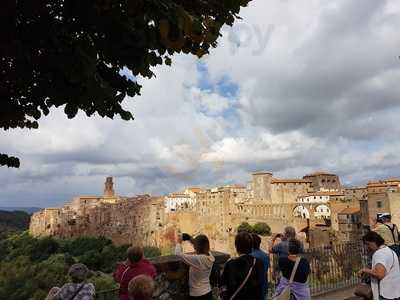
(264, 258)
(282, 248)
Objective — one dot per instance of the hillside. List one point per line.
(13, 221)
(29, 210)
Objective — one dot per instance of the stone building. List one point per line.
(381, 197)
(322, 181)
(216, 211)
(349, 220)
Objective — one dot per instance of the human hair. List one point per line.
(201, 244)
(141, 287)
(78, 272)
(243, 243)
(373, 237)
(134, 254)
(294, 246)
(256, 241)
(290, 232)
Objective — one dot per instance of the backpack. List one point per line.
(396, 246)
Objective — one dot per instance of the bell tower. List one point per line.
(109, 187)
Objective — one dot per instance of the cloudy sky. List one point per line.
(296, 86)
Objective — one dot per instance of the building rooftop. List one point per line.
(319, 173)
(330, 193)
(350, 211)
(262, 173)
(290, 180)
(195, 189)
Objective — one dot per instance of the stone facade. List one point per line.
(381, 197)
(216, 212)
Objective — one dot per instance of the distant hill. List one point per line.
(13, 221)
(29, 210)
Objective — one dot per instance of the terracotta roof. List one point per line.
(194, 189)
(236, 186)
(370, 185)
(336, 193)
(356, 188)
(392, 179)
(180, 195)
(262, 173)
(350, 211)
(319, 173)
(290, 180)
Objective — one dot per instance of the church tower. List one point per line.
(109, 187)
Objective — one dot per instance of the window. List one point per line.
(379, 204)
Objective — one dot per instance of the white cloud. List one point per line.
(317, 88)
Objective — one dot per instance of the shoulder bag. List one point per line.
(244, 281)
(285, 295)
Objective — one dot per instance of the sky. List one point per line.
(294, 87)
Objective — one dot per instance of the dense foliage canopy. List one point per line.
(13, 222)
(260, 228)
(29, 267)
(71, 52)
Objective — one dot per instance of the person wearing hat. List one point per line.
(388, 231)
(78, 289)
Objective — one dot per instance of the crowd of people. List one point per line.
(245, 276)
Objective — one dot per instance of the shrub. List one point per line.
(151, 251)
(42, 249)
(262, 228)
(245, 227)
(82, 245)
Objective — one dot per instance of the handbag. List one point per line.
(285, 295)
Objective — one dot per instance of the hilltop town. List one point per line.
(321, 209)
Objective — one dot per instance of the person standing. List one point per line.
(78, 289)
(282, 247)
(264, 258)
(200, 265)
(388, 231)
(295, 270)
(385, 271)
(136, 265)
(240, 279)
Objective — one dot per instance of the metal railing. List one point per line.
(108, 295)
(332, 268)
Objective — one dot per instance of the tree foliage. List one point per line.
(262, 228)
(13, 221)
(71, 52)
(245, 227)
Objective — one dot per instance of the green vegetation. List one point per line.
(12, 222)
(245, 227)
(260, 228)
(29, 267)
